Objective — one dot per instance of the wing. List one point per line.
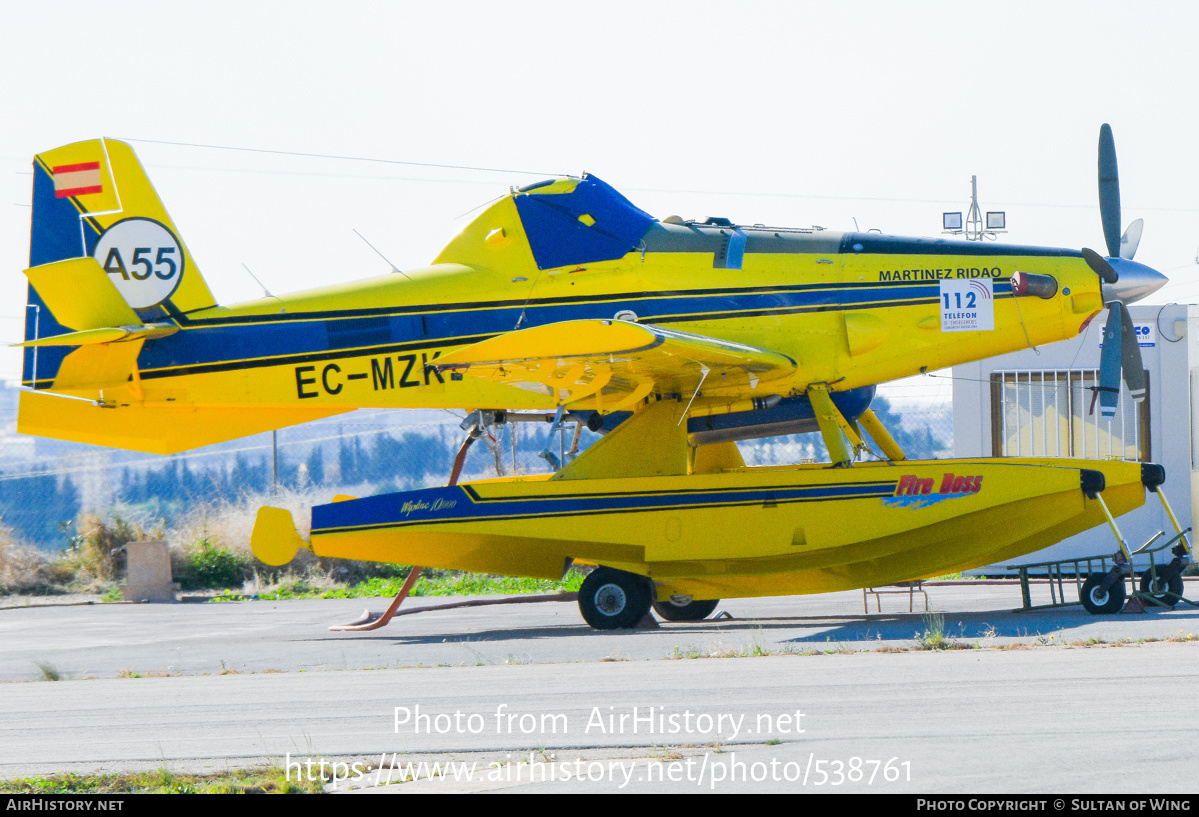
(617, 362)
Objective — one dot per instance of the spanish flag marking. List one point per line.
(77, 180)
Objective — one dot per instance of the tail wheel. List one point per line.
(1166, 591)
(613, 599)
(1097, 600)
(691, 611)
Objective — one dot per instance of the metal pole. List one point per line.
(274, 462)
(37, 320)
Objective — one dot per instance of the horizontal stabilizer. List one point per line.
(573, 360)
(112, 334)
(81, 295)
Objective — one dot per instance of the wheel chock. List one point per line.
(1133, 605)
(648, 622)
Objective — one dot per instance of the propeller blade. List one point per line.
(1131, 239)
(1109, 360)
(1100, 265)
(1109, 191)
(1130, 355)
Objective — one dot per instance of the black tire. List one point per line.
(613, 599)
(1166, 591)
(691, 611)
(1097, 600)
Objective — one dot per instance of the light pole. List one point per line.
(973, 229)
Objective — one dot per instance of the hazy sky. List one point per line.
(784, 113)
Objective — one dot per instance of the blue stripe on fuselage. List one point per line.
(206, 347)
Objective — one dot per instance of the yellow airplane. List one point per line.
(676, 337)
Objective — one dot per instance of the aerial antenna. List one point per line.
(265, 291)
(480, 206)
(394, 268)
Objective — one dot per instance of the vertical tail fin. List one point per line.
(92, 199)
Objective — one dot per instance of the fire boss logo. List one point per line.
(920, 492)
(950, 484)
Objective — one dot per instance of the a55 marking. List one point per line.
(384, 373)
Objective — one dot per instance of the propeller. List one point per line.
(1123, 281)
(1131, 239)
(1121, 352)
(1109, 191)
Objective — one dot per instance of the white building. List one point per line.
(1038, 404)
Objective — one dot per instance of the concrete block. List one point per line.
(149, 572)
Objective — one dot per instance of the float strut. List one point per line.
(548, 455)
(878, 432)
(832, 424)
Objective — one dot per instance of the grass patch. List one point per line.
(164, 781)
(49, 671)
(934, 637)
(25, 569)
(431, 583)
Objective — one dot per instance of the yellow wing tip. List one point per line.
(274, 539)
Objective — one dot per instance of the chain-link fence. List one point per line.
(45, 484)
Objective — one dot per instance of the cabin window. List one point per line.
(1037, 413)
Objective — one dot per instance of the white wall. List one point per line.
(1172, 418)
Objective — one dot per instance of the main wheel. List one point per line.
(1166, 591)
(691, 611)
(613, 599)
(1097, 600)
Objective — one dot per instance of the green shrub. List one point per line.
(206, 565)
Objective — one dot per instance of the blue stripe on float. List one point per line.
(460, 503)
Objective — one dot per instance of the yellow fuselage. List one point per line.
(847, 317)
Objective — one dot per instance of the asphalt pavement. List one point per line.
(789, 694)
